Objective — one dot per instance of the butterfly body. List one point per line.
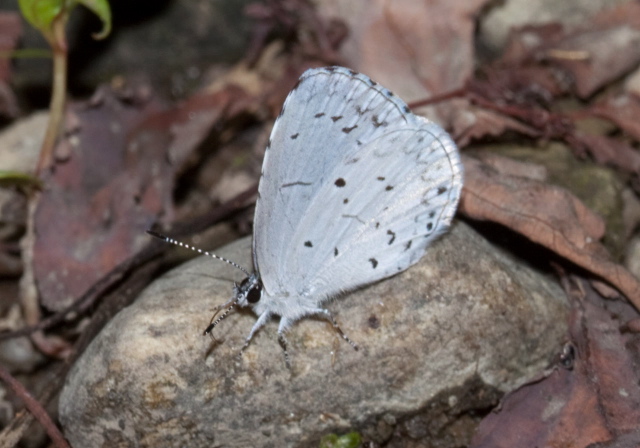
(353, 189)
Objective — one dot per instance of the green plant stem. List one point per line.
(58, 96)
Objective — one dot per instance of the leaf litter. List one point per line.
(123, 155)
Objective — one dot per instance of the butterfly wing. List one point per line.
(354, 187)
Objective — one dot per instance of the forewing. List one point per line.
(354, 187)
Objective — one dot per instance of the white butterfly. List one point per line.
(354, 187)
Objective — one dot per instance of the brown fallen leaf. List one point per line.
(117, 179)
(189, 123)
(610, 42)
(591, 54)
(599, 66)
(401, 44)
(547, 215)
(97, 201)
(591, 397)
(518, 76)
(543, 62)
(471, 123)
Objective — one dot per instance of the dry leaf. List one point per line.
(547, 215)
(116, 183)
(591, 396)
(406, 45)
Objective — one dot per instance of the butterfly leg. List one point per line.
(284, 344)
(325, 314)
(284, 325)
(262, 319)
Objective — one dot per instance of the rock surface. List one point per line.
(466, 316)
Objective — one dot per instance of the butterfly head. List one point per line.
(249, 292)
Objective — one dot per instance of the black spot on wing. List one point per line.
(389, 187)
(295, 136)
(408, 245)
(347, 130)
(377, 123)
(336, 118)
(393, 236)
(340, 182)
(345, 201)
(432, 214)
(308, 244)
(429, 226)
(380, 178)
(441, 190)
(374, 262)
(406, 109)
(318, 115)
(353, 73)
(335, 251)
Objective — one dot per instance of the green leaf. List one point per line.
(41, 13)
(349, 440)
(103, 11)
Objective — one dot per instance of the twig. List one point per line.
(457, 93)
(35, 408)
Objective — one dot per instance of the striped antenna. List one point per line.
(178, 243)
(213, 322)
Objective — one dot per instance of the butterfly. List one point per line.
(353, 189)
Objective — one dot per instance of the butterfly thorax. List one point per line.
(251, 293)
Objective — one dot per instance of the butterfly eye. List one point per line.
(254, 294)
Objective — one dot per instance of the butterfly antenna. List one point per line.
(181, 244)
(213, 322)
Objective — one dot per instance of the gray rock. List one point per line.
(502, 16)
(467, 315)
(21, 143)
